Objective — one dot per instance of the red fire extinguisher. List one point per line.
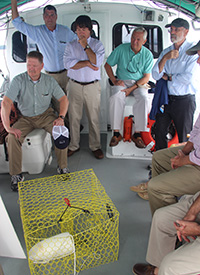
(128, 125)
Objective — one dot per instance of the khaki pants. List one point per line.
(162, 239)
(62, 80)
(1, 270)
(88, 96)
(26, 125)
(167, 184)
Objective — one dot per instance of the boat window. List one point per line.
(21, 45)
(122, 34)
(95, 29)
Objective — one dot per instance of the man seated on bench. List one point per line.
(183, 220)
(33, 91)
(134, 63)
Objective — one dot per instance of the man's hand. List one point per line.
(118, 82)
(180, 160)
(166, 77)
(173, 54)
(16, 132)
(127, 91)
(58, 122)
(83, 41)
(89, 64)
(187, 229)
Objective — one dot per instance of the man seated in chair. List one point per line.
(134, 63)
(181, 219)
(33, 91)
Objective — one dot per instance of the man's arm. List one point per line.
(169, 55)
(15, 13)
(71, 62)
(110, 74)
(139, 82)
(187, 227)
(5, 116)
(182, 157)
(91, 55)
(193, 211)
(82, 64)
(64, 103)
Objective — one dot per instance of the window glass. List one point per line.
(21, 45)
(122, 34)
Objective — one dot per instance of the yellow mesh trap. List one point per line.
(69, 222)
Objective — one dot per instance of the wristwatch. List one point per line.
(87, 47)
(62, 117)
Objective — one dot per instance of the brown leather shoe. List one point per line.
(143, 269)
(115, 140)
(98, 154)
(70, 152)
(138, 142)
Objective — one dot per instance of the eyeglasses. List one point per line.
(132, 67)
(176, 29)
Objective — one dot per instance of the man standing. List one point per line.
(83, 58)
(134, 63)
(179, 69)
(51, 39)
(32, 91)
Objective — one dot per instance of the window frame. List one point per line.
(117, 31)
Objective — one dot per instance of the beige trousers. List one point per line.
(1, 270)
(88, 96)
(62, 80)
(167, 184)
(162, 239)
(26, 125)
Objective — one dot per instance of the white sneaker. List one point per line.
(14, 181)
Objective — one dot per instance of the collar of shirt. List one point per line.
(56, 29)
(33, 80)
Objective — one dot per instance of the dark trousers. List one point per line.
(180, 109)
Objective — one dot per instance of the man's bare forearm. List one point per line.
(15, 13)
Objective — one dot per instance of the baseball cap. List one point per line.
(179, 22)
(194, 49)
(61, 136)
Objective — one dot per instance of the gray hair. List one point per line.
(141, 29)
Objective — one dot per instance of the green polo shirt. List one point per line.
(33, 98)
(130, 65)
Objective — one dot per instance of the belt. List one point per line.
(58, 72)
(177, 97)
(84, 83)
